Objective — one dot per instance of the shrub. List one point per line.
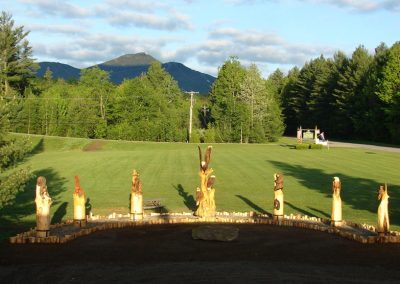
(316, 146)
(303, 146)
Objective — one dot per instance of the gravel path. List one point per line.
(334, 144)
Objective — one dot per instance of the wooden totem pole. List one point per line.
(278, 199)
(205, 194)
(43, 202)
(383, 212)
(336, 217)
(79, 204)
(136, 197)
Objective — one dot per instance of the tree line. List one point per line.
(356, 97)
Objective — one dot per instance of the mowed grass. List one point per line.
(169, 171)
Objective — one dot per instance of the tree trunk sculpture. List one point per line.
(43, 202)
(383, 212)
(278, 199)
(79, 204)
(205, 194)
(136, 197)
(336, 217)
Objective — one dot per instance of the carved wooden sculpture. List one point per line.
(336, 217)
(383, 212)
(278, 199)
(79, 204)
(205, 194)
(43, 203)
(136, 197)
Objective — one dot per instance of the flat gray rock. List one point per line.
(215, 233)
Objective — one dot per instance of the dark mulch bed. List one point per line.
(168, 254)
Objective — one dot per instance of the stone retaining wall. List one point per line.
(64, 232)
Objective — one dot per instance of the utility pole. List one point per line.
(191, 93)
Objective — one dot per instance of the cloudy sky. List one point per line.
(202, 34)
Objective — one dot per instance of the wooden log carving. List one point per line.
(383, 211)
(278, 196)
(79, 203)
(336, 216)
(205, 194)
(136, 197)
(43, 202)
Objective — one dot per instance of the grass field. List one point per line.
(169, 171)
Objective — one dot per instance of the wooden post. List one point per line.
(79, 205)
(43, 203)
(136, 198)
(278, 197)
(336, 217)
(205, 194)
(383, 212)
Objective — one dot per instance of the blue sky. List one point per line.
(203, 34)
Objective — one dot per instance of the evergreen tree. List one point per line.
(388, 90)
(227, 114)
(291, 101)
(11, 151)
(349, 96)
(16, 64)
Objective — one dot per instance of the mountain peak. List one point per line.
(136, 59)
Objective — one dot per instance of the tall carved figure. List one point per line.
(79, 204)
(383, 212)
(43, 203)
(205, 194)
(278, 199)
(336, 217)
(136, 197)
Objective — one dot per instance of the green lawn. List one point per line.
(170, 171)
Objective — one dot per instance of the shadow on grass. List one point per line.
(290, 146)
(253, 205)
(20, 215)
(323, 213)
(188, 199)
(298, 209)
(38, 148)
(88, 206)
(359, 193)
(60, 213)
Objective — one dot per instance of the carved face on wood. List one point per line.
(382, 192)
(336, 186)
(277, 204)
(41, 182)
(278, 182)
(136, 184)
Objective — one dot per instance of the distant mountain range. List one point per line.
(132, 65)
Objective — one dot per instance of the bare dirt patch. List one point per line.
(168, 254)
(95, 145)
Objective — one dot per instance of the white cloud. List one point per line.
(362, 5)
(58, 8)
(356, 5)
(175, 21)
(56, 29)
